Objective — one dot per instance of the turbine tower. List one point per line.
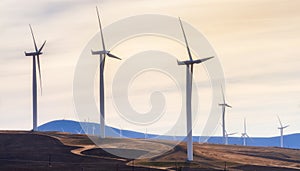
(244, 134)
(281, 128)
(224, 105)
(102, 53)
(189, 79)
(36, 61)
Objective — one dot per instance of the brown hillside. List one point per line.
(20, 150)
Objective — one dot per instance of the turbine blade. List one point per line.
(202, 60)
(41, 48)
(249, 138)
(279, 121)
(113, 56)
(34, 42)
(223, 95)
(101, 32)
(221, 124)
(228, 105)
(186, 42)
(232, 133)
(192, 71)
(40, 74)
(245, 125)
(286, 126)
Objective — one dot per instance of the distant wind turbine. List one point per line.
(120, 133)
(93, 129)
(36, 60)
(86, 131)
(174, 136)
(146, 135)
(189, 79)
(281, 128)
(244, 134)
(224, 105)
(79, 132)
(102, 54)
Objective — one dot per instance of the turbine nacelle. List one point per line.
(33, 53)
(283, 127)
(245, 135)
(104, 52)
(100, 52)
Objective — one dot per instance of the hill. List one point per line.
(21, 150)
(74, 127)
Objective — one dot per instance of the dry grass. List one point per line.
(20, 150)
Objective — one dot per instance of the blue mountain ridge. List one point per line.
(74, 127)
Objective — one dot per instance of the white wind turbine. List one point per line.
(79, 132)
(36, 60)
(94, 129)
(244, 134)
(189, 80)
(174, 136)
(102, 53)
(281, 128)
(120, 131)
(224, 105)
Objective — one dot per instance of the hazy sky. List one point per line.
(257, 42)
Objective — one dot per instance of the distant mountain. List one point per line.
(290, 141)
(75, 127)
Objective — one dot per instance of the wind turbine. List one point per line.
(146, 135)
(79, 132)
(36, 60)
(244, 134)
(224, 105)
(189, 79)
(281, 128)
(93, 129)
(86, 124)
(120, 132)
(102, 53)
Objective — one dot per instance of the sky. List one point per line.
(257, 43)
